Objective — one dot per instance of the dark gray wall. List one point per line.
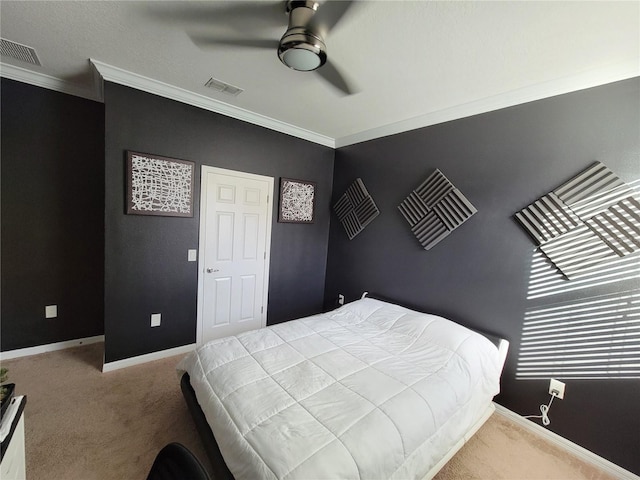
(54, 203)
(478, 276)
(146, 268)
(52, 215)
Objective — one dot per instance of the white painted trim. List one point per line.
(584, 80)
(149, 357)
(98, 83)
(146, 84)
(580, 452)
(503, 350)
(202, 240)
(46, 81)
(102, 71)
(51, 347)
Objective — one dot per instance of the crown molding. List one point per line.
(46, 81)
(149, 85)
(102, 71)
(592, 78)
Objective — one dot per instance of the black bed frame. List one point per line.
(220, 469)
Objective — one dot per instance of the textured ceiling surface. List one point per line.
(406, 59)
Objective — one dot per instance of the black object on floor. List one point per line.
(176, 462)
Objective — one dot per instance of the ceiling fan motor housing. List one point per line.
(301, 47)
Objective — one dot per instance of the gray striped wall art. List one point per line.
(355, 209)
(435, 209)
(593, 218)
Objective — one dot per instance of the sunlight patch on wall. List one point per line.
(569, 333)
(590, 338)
(546, 280)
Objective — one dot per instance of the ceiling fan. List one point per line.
(302, 46)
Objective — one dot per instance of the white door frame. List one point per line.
(203, 216)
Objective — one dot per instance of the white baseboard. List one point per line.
(149, 357)
(51, 347)
(580, 452)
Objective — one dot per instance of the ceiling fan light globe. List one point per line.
(301, 59)
(302, 50)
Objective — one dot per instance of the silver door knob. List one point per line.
(211, 270)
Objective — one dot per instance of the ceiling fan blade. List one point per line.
(208, 42)
(234, 14)
(331, 74)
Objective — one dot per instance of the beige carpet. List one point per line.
(84, 424)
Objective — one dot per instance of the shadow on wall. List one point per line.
(587, 337)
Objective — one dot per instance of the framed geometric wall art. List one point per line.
(355, 209)
(297, 201)
(591, 219)
(435, 209)
(159, 185)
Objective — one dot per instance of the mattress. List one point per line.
(370, 390)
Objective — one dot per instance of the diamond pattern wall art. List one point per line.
(592, 218)
(435, 209)
(355, 209)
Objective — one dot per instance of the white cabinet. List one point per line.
(13, 466)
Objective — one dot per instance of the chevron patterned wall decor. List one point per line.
(435, 209)
(356, 209)
(593, 218)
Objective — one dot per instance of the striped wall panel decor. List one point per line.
(430, 230)
(547, 218)
(435, 209)
(601, 201)
(576, 251)
(454, 209)
(355, 209)
(434, 188)
(619, 226)
(595, 179)
(592, 218)
(413, 208)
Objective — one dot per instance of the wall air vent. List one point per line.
(223, 87)
(18, 52)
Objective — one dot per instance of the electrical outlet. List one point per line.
(192, 255)
(155, 319)
(558, 386)
(51, 311)
(340, 299)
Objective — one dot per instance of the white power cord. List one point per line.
(544, 410)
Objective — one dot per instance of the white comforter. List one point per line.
(371, 390)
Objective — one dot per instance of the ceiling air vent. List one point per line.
(220, 86)
(18, 52)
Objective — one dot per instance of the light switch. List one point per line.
(193, 255)
(51, 311)
(155, 319)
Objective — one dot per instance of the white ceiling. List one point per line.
(414, 63)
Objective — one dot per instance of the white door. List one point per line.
(235, 238)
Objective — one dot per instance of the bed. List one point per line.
(369, 390)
